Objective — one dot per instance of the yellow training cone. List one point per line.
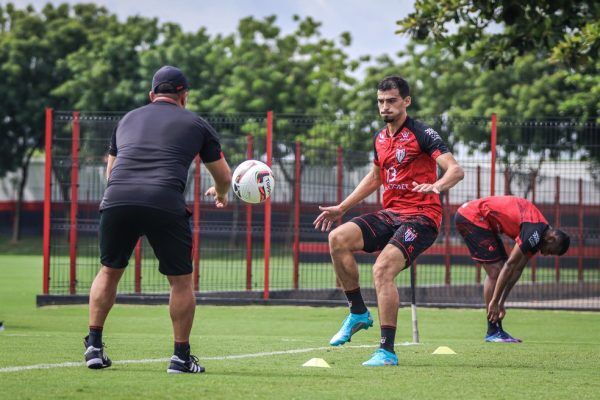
(443, 350)
(316, 362)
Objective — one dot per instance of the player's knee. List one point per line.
(337, 240)
(493, 272)
(382, 272)
(180, 282)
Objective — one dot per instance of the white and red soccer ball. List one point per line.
(253, 181)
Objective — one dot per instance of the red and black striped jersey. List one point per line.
(514, 216)
(405, 157)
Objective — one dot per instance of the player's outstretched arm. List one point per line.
(509, 275)
(329, 215)
(222, 175)
(453, 173)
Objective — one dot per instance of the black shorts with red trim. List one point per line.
(484, 245)
(411, 234)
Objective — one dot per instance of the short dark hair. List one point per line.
(394, 82)
(563, 241)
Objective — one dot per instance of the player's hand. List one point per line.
(501, 311)
(220, 201)
(425, 188)
(327, 217)
(493, 311)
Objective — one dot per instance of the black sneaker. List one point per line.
(95, 357)
(179, 366)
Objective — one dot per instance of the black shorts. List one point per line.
(484, 245)
(411, 234)
(170, 236)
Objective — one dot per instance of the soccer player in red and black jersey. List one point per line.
(480, 222)
(406, 156)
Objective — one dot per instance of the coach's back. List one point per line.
(154, 146)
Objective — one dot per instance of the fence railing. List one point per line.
(272, 249)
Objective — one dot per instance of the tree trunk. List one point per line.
(16, 231)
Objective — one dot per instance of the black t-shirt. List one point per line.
(154, 146)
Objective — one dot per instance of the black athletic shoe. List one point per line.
(178, 366)
(95, 357)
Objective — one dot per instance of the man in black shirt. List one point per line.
(149, 157)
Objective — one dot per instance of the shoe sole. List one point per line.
(96, 363)
(176, 371)
(358, 327)
(380, 365)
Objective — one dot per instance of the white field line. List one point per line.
(154, 360)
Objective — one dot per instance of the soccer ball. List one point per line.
(253, 181)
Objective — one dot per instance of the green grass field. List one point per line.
(559, 359)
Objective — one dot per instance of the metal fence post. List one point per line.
(580, 241)
(138, 267)
(47, 200)
(267, 245)
(196, 221)
(340, 177)
(249, 156)
(446, 210)
(74, 204)
(297, 201)
(557, 224)
(493, 151)
(478, 265)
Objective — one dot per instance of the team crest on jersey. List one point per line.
(410, 235)
(534, 239)
(400, 154)
(433, 134)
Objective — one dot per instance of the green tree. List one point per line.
(104, 73)
(499, 31)
(31, 47)
(456, 96)
(298, 74)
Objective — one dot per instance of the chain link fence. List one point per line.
(318, 160)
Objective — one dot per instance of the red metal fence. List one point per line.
(273, 250)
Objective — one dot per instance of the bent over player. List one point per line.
(406, 156)
(480, 222)
(149, 158)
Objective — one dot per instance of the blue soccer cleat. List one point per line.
(352, 324)
(501, 337)
(381, 358)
